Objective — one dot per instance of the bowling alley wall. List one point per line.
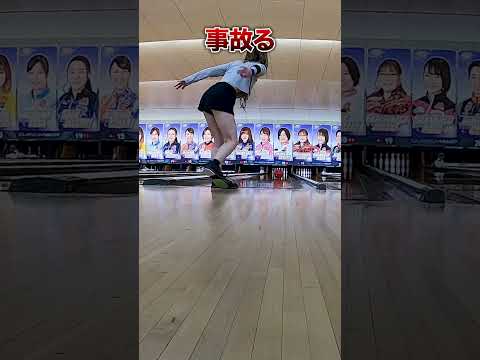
(37, 97)
(260, 143)
(37, 111)
(291, 117)
(421, 91)
(271, 130)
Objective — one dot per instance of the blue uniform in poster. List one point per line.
(37, 109)
(471, 107)
(245, 147)
(245, 151)
(337, 153)
(155, 150)
(73, 108)
(171, 149)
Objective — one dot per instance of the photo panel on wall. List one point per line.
(8, 88)
(353, 91)
(434, 94)
(77, 88)
(283, 143)
(389, 100)
(37, 83)
(119, 106)
(154, 135)
(302, 144)
(468, 75)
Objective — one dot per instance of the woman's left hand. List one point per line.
(181, 85)
(245, 72)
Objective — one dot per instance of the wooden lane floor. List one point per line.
(69, 275)
(50, 167)
(244, 180)
(242, 274)
(120, 181)
(409, 277)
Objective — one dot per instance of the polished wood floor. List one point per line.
(410, 281)
(250, 274)
(69, 276)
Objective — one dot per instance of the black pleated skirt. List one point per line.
(220, 96)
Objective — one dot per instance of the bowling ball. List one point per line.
(278, 174)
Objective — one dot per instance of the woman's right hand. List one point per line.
(181, 85)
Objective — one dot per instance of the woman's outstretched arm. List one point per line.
(214, 71)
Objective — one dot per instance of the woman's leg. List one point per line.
(216, 133)
(228, 129)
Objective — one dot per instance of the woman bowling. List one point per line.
(217, 105)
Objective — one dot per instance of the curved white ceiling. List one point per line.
(186, 19)
(292, 59)
(304, 69)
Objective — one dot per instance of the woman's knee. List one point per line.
(219, 139)
(228, 139)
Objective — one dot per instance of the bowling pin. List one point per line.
(407, 165)
(350, 165)
(400, 164)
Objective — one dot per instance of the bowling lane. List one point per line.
(459, 186)
(264, 180)
(239, 274)
(409, 275)
(407, 265)
(68, 269)
(385, 175)
(460, 182)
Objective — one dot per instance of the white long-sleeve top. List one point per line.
(230, 74)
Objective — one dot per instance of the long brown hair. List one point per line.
(142, 136)
(5, 66)
(257, 56)
(254, 56)
(246, 130)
